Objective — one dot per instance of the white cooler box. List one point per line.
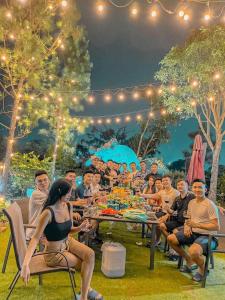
(113, 259)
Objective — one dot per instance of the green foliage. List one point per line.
(198, 59)
(22, 172)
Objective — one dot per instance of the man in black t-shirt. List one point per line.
(180, 205)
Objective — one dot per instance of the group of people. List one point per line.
(185, 217)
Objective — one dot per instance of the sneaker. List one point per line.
(198, 277)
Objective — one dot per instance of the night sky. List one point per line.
(127, 52)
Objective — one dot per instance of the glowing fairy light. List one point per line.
(181, 13)
(75, 99)
(128, 118)
(160, 91)
(60, 99)
(92, 121)
(99, 121)
(163, 112)
(186, 17)
(178, 109)
(217, 76)
(8, 15)
(139, 117)
(211, 99)
(107, 97)
(64, 3)
(207, 17)
(91, 99)
(117, 120)
(108, 121)
(151, 114)
(121, 96)
(136, 95)
(173, 88)
(149, 92)
(46, 99)
(193, 103)
(3, 57)
(194, 83)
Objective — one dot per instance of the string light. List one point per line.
(186, 17)
(121, 96)
(178, 109)
(92, 121)
(181, 13)
(136, 95)
(3, 57)
(8, 15)
(117, 120)
(108, 121)
(75, 100)
(194, 83)
(46, 99)
(100, 8)
(99, 121)
(163, 112)
(139, 117)
(107, 97)
(12, 37)
(217, 76)
(60, 99)
(193, 103)
(134, 12)
(211, 99)
(173, 88)
(151, 114)
(149, 92)
(64, 3)
(128, 118)
(91, 99)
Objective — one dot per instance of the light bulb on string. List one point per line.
(92, 121)
(107, 97)
(160, 91)
(186, 17)
(138, 117)
(181, 13)
(178, 109)
(117, 120)
(60, 99)
(91, 99)
(3, 57)
(134, 11)
(19, 107)
(50, 7)
(173, 88)
(163, 112)
(211, 99)
(108, 121)
(99, 121)
(149, 92)
(194, 83)
(193, 103)
(64, 4)
(217, 76)
(127, 118)
(17, 118)
(12, 36)
(100, 8)
(75, 99)
(151, 114)
(8, 15)
(121, 96)
(136, 95)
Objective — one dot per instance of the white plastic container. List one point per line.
(113, 259)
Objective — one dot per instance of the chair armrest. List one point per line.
(54, 252)
(29, 226)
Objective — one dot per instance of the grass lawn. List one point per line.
(139, 283)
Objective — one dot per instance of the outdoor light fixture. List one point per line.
(108, 121)
(149, 92)
(107, 97)
(136, 95)
(91, 99)
(128, 118)
(75, 100)
(151, 114)
(117, 120)
(121, 96)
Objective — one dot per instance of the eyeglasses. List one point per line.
(42, 180)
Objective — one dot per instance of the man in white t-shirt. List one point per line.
(201, 219)
(37, 200)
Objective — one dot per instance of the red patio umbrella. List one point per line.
(196, 167)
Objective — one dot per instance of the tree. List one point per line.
(33, 37)
(193, 79)
(151, 134)
(22, 172)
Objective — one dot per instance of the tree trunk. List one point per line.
(9, 147)
(214, 170)
(55, 150)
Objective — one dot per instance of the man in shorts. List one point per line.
(202, 219)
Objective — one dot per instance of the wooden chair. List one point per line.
(37, 264)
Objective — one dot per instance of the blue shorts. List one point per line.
(196, 238)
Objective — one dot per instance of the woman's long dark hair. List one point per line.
(58, 189)
(153, 186)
